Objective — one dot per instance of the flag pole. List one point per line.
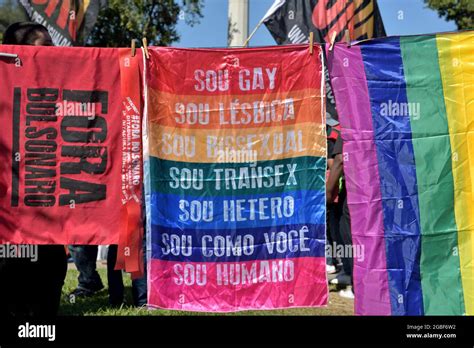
(275, 6)
(238, 22)
(252, 33)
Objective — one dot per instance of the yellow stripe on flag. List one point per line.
(456, 60)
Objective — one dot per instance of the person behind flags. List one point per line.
(28, 287)
(115, 280)
(345, 277)
(89, 281)
(27, 33)
(333, 208)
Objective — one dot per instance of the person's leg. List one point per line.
(329, 257)
(14, 299)
(114, 278)
(344, 240)
(34, 284)
(334, 213)
(348, 262)
(52, 264)
(139, 286)
(85, 259)
(25, 282)
(139, 291)
(4, 287)
(346, 236)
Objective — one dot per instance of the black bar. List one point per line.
(243, 330)
(16, 145)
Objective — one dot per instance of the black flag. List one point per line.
(291, 21)
(69, 22)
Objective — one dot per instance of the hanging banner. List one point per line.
(235, 183)
(70, 145)
(406, 106)
(69, 22)
(291, 21)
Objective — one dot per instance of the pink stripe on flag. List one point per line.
(363, 182)
(302, 283)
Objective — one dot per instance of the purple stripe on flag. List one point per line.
(363, 181)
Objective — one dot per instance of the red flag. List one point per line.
(66, 167)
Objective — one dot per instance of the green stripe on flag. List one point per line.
(227, 179)
(439, 264)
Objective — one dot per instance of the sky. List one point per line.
(400, 17)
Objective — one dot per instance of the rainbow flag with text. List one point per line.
(235, 179)
(406, 107)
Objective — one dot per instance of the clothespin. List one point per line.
(133, 48)
(333, 39)
(347, 37)
(145, 47)
(311, 40)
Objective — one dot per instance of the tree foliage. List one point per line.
(124, 20)
(460, 11)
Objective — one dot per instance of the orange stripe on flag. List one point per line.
(209, 146)
(235, 111)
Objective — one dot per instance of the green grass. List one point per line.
(98, 304)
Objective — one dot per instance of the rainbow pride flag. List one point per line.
(235, 177)
(406, 106)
